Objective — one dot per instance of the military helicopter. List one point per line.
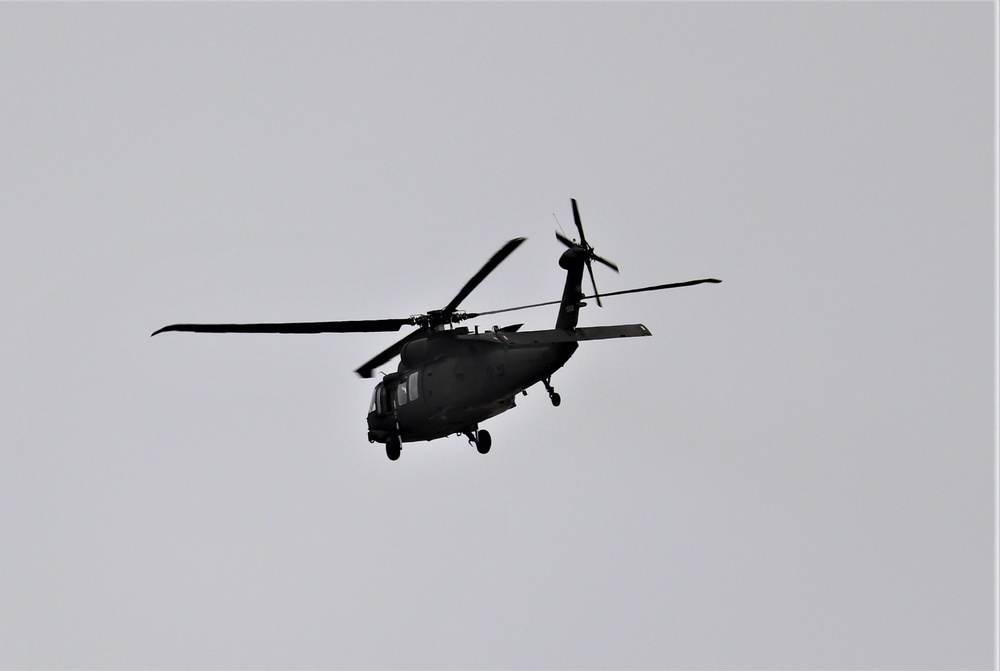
(450, 379)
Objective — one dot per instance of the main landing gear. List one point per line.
(481, 439)
(553, 394)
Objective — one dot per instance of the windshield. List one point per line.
(379, 403)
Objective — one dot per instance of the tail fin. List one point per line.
(572, 299)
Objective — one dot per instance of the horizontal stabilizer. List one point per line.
(550, 336)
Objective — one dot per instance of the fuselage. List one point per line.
(466, 379)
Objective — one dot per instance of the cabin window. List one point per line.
(401, 396)
(413, 386)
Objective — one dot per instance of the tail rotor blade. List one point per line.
(579, 224)
(597, 295)
(609, 264)
(563, 239)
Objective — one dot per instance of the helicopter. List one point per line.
(450, 379)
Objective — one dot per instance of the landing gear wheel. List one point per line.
(483, 441)
(553, 395)
(393, 448)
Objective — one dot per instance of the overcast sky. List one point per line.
(796, 471)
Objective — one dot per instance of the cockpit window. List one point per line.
(378, 404)
(413, 386)
(401, 396)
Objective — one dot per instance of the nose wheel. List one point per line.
(481, 439)
(553, 394)
(393, 448)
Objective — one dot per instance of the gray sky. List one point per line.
(796, 471)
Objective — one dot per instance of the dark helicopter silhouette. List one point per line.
(451, 379)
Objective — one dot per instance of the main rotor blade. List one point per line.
(473, 315)
(367, 369)
(481, 275)
(673, 285)
(357, 326)
(579, 224)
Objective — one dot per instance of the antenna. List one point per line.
(558, 224)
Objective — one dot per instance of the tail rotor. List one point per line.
(586, 250)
